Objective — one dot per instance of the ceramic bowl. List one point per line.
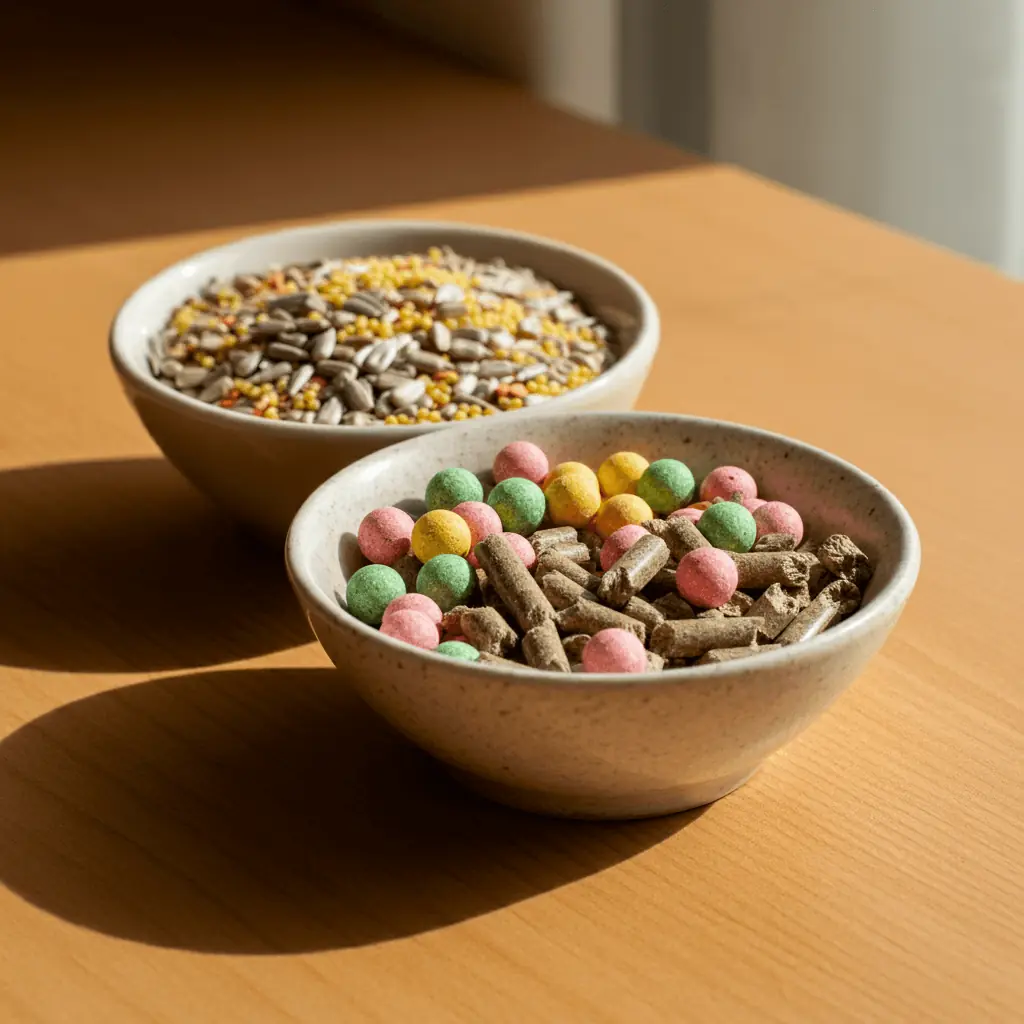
(260, 470)
(604, 746)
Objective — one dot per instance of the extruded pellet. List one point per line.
(838, 598)
(496, 661)
(775, 542)
(843, 558)
(777, 608)
(689, 639)
(734, 653)
(487, 631)
(760, 569)
(672, 606)
(633, 571)
(542, 648)
(557, 535)
(562, 591)
(678, 533)
(578, 553)
(643, 611)
(513, 582)
(573, 646)
(655, 662)
(590, 617)
(552, 561)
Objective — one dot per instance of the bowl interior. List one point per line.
(831, 495)
(603, 288)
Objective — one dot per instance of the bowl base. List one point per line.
(612, 807)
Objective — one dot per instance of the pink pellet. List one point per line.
(753, 504)
(385, 534)
(415, 603)
(521, 458)
(691, 513)
(619, 543)
(482, 521)
(725, 481)
(707, 577)
(523, 548)
(614, 650)
(411, 627)
(778, 517)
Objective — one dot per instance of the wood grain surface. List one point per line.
(199, 822)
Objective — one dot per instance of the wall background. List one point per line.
(908, 111)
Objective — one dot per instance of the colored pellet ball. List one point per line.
(666, 485)
(451, 487)
(440, 532)
(778, 517)
(447, 580)
(411, 627)
(521, 458)
(370, 590)
(458, 649)
(620, 473)
(523, 548)
(753, 504)
(385, 534)
(572, 469)
(691, 513)
(573, 499)
(619, 543)
(482, 521)
(415, 603)
(519, 503)
(621, 510)
(728, 525)
(614, 650)
(707, 577)
(727, 481)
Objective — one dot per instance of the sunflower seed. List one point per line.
(245, 363)
(363, 305)
(273, 372)
(216, 390)
(500, 368)
(381, 356)
(170, 368)
(466, 384)
(407, 393)
(440, 337)
(470, 333)
(429, 362)
(462, 348)
(451, 310)
(448, 293)
(294, 354)
(322, 345)
(529, 372)
(358, 419)
(299, 379)
(190, 377)
(330, 412)
(357, 395)
(340, 318)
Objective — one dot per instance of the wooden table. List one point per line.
(199, 821)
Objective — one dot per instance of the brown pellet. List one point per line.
(838, 598)
(688, 639)
(542, 648)
(408, 567)
(775, 542)
(655, 662)
(683, 537)
(643, 611)
(487, 631)
(578, 553)
(557, 535)
(562, 591)
(777, 609)
(512, 580)
(760, 569)
(843, 558)
(734, 653)
(553, 561)
(633, 571)
(573, 646)
(591, 617)
(672, 606)
(496, 661)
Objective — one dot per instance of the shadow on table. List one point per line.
(123, 566)
(160, 122)
(266, 811)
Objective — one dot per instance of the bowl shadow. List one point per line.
(266, 811)
(120, 565)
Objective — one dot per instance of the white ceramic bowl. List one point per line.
(605, 746)
(261, 470)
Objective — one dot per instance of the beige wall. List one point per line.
(565, 50)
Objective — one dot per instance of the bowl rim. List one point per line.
(120, 343)
(893, 594)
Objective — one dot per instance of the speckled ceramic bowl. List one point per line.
(604, 746)
(261, 470)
